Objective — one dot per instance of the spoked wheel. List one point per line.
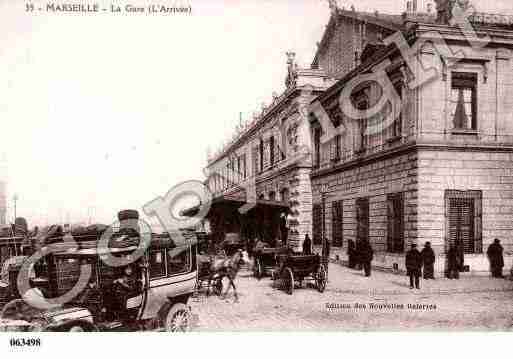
(321, 279)
(288, 280)
(178, 319)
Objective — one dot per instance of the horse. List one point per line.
(228, 267)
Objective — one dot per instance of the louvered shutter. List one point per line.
(464, 220)
(478, 224)
(337, 223)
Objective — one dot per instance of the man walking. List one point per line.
(454, 262)
(414, 265)
(496, 258)
(366, 256)
(428, 260)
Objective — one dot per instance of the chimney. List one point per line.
(429, 8)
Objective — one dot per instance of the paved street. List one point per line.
(465, 304)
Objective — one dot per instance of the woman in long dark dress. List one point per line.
(428, 261)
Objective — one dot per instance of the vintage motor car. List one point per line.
(151, 293)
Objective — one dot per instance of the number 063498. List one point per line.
(25, 342)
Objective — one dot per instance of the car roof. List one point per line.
(93, 252)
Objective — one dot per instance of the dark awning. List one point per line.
(228, 203)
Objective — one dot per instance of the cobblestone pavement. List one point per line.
(465, 304)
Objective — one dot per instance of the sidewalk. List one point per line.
(347, 304)
(342, 279)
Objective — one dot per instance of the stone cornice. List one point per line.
(285, 100)
(408, 148)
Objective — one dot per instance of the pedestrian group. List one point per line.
(422, 263)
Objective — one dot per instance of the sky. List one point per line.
(105, 112)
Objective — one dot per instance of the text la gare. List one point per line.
(127, 8)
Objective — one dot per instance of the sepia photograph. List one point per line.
(255, 166)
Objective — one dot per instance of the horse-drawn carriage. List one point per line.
(149, 291)
(233, 230)
(212, 268)
(265, 259)
(293, 267)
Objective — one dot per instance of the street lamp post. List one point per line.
(324, 251)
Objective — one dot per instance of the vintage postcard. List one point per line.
(255, 166)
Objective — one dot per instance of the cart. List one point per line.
(265, 260)
(292, 268)
(207, 279)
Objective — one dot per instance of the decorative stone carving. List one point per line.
(444, 9)
(290, 81)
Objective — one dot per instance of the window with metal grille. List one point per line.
(362, 219)
(463, 104)
(337, 223)
(395, 223)
(317, 223)
(464, 220)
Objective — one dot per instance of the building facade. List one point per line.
(440, 168)
(265, 159)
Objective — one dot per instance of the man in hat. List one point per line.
(366, 254)
(428, 260)
(307, 245)
(454, 262)
(496, 258)
(414, 265)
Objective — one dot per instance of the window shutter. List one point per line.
(390, 224)
(478, 225)
(337, 223)
(463, 211)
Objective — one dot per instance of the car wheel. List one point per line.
(178, 319)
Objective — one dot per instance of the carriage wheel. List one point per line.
(288, 280)
(218, 287)
(321, 279)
